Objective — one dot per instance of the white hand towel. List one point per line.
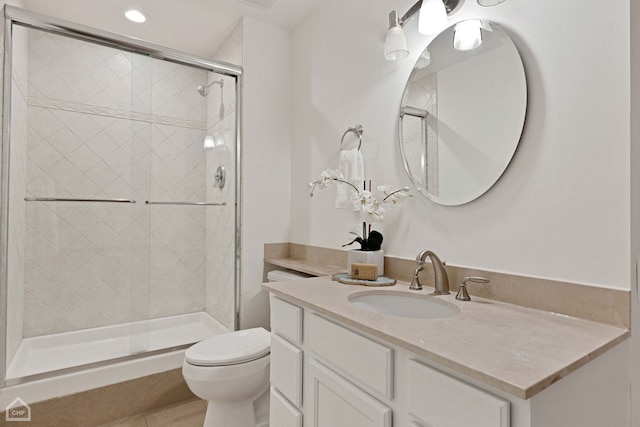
(351, 166)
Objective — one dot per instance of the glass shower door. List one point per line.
(121, 235)
(76, 201)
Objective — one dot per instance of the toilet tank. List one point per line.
(284, 275)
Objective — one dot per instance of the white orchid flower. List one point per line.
(367, 204)
(325, 178)
(396, 196)
(371, 210)
(373, 213)
(361, 199)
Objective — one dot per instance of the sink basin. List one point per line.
(404, 305)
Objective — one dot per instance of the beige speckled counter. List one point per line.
(515, 349)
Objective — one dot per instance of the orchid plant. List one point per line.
(366, 203)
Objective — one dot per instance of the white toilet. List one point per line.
(230, 371)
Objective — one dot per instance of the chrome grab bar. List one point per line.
(186, 203)
(59, 199)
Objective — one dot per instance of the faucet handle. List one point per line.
(415, 283)
(463, 295)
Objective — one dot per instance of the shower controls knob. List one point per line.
(220, 177)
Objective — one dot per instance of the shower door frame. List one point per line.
(25, 18)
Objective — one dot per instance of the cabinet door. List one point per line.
(363, 361)
(338, 403)
(439, 400)
(282, 413)
(286, 320)
(286, 369)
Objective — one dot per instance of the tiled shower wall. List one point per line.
(220, 266)
(110, 124)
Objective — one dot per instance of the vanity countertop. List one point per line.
(515, 349)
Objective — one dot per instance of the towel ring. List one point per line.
(357, 131)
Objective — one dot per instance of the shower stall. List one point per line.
(120, 190)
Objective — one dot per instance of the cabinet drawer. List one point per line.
(443, 401)
(286, 369)
(338, 403)
(282, 413)
(286, 320)
(367, 362)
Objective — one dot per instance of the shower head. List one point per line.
(203, 90)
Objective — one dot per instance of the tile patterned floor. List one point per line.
(184, 414)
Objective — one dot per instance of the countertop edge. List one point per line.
(550, 380)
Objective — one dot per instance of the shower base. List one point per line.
(37, 356)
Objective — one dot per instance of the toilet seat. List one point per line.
(230, 349)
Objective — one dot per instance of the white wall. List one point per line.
(560, 211)
(266, 158)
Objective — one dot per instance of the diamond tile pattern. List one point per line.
(96, 264)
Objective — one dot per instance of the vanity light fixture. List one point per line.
(135, 15)
(467, 35)
(395, 44)
(432, 19)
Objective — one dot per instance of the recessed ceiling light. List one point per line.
(135, 15)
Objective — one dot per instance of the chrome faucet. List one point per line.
(441, 279)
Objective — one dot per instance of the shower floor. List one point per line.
(38, 355)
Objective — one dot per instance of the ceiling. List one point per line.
(194, 26)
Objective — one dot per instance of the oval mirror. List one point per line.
(463, 112)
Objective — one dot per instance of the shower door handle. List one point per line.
(60, 199)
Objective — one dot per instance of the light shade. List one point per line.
(395, 44)
(433, 17)
(467, 35)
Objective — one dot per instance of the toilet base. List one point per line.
(240, 413)
(230, 414)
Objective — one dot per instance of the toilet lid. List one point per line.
(231, 348)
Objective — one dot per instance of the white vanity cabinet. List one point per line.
(325, 373)
(334, 376)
